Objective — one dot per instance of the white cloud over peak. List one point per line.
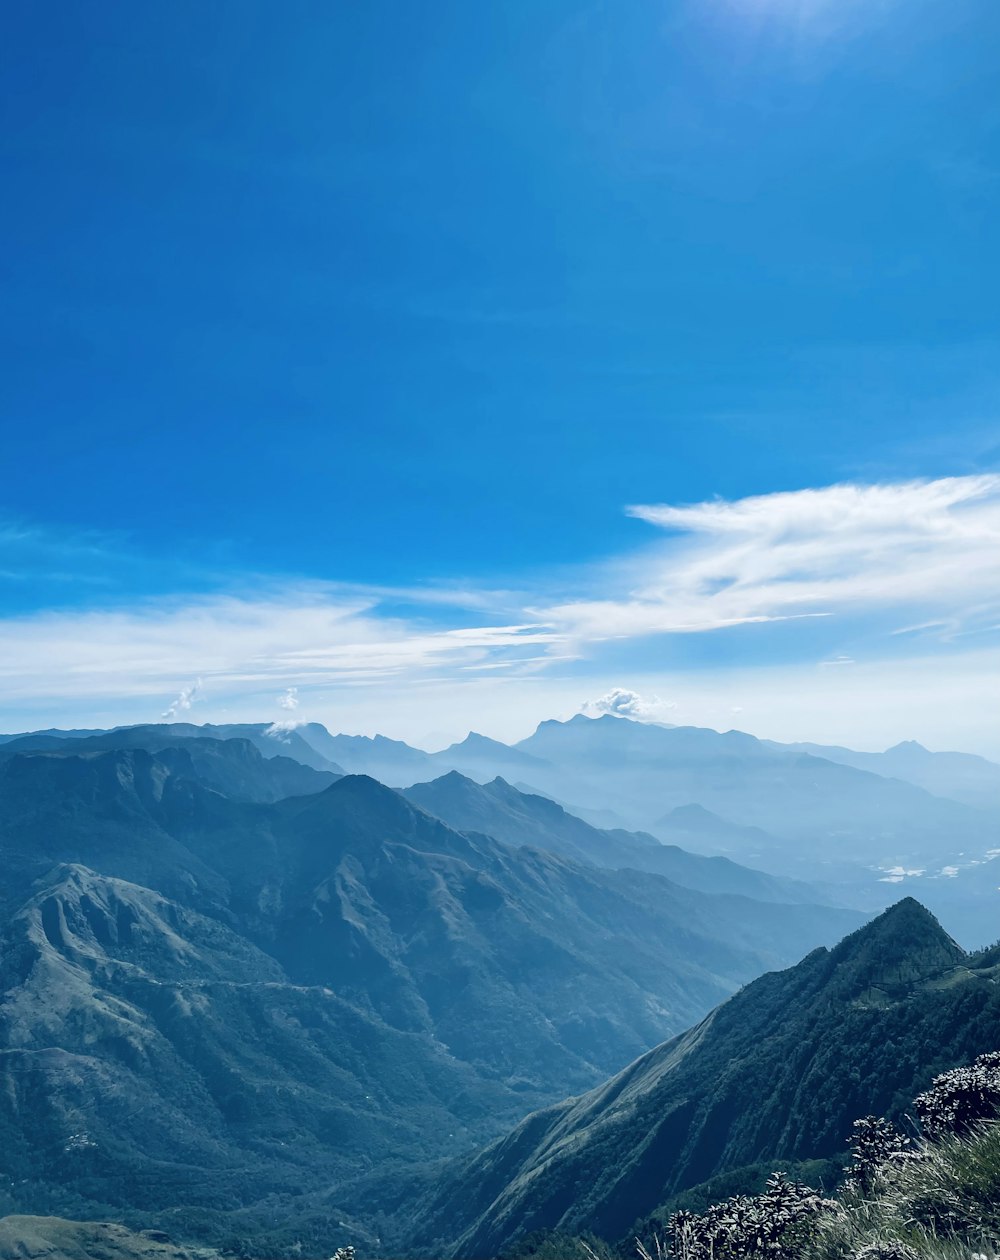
(289, 698)
(623, 703)
(186, 698)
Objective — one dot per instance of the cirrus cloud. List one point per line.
(900, 569)
(916, 547)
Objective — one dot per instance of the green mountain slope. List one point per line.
(780, 1071)
(152, 1057)
(218, 1003)
(52, 1238)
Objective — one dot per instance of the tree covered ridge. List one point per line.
(773, 1078)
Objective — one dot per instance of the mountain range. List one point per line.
(215, 1002)
(858, 827)
(258, 999)
(961, 776)
(501, 810)
(855, 832)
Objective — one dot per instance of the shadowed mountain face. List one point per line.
(235, 767)
(107, 811)
(294, 757)
(565, 957)
(779, 1071)
(230, 998)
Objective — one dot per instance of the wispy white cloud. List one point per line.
(921, 558)
(32, 556)
(918, 547)
(185, 699)
(293, 637)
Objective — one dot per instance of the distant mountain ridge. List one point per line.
(268, 740)
(961, 776)
(233, 766)
(518, 818)
(858, 824)
(784, 792)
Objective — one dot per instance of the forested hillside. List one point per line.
(778, 1072)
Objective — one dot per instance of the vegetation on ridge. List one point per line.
(931, 1199)
(777, 1073)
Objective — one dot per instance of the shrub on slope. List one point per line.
(943, 1205)
(936, 1199)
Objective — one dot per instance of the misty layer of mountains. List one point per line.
(259, 982)
(857, 827)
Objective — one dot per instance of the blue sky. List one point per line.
(335, 326)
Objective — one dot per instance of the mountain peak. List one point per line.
(577, 720)
(903, 946)
(474, 741)
(692, 817)
(481, 750)
(361, 786)
(454, 779)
